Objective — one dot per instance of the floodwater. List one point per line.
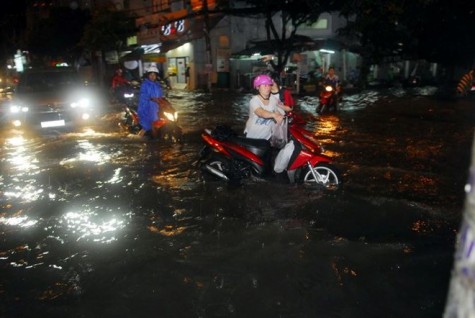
(98, 223)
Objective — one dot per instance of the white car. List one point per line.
(52, 98)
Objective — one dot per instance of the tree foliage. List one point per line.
(434, 30)
(444, 31)
(107, 30)
(58, 34)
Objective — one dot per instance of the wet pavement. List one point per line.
(98, 223)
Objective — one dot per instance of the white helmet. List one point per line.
(153, 69)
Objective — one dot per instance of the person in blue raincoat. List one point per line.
(148, 109)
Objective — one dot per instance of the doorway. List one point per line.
(179, 64)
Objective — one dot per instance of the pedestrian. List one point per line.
(149, 103)
(187, 77)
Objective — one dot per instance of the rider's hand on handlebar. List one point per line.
(278, 117)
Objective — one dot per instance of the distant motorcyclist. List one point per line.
(332, 79)
(119, 83)
(149, 98)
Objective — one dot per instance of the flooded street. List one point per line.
(99, 223)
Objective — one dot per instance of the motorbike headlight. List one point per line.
(328, 88)
(171, 116)
(82, 103)
(15, 109)
(128, 95)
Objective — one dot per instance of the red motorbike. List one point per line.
(233, 158)
(328, 99)
(168, 123)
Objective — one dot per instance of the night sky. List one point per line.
(13, 7)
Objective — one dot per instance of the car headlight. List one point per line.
(82, 103)
(18, 109)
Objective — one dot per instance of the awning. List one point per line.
(299, 43)
(135, 55)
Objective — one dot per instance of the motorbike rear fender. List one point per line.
(215, 144)
(232, 150)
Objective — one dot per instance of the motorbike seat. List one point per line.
(259, 147)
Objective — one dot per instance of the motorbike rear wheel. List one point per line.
(216, 168)
(326, 175)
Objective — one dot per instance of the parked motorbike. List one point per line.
(233, 158)
(168, 123)
(328, 99)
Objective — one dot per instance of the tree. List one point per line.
(58, 34)
(107, 30)
(284, 40)
(378, 30)
(445, 32)
(434, 30)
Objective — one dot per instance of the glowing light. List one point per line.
(16, 141)
(468, 188)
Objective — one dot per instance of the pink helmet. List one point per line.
(262, 80)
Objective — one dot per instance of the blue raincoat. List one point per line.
(148, 109)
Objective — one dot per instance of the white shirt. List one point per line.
(259, 127)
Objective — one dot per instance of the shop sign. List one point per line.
(155, 57)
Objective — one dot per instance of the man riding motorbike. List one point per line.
(119, 84)
(331, 79)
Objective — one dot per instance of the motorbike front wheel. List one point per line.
(171, 132)
(325, 175)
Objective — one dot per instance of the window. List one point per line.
(321, 24)
(160, 5)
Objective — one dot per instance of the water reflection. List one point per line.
(89, 152)
(21, 158)
(20, 221)
(87, 225)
